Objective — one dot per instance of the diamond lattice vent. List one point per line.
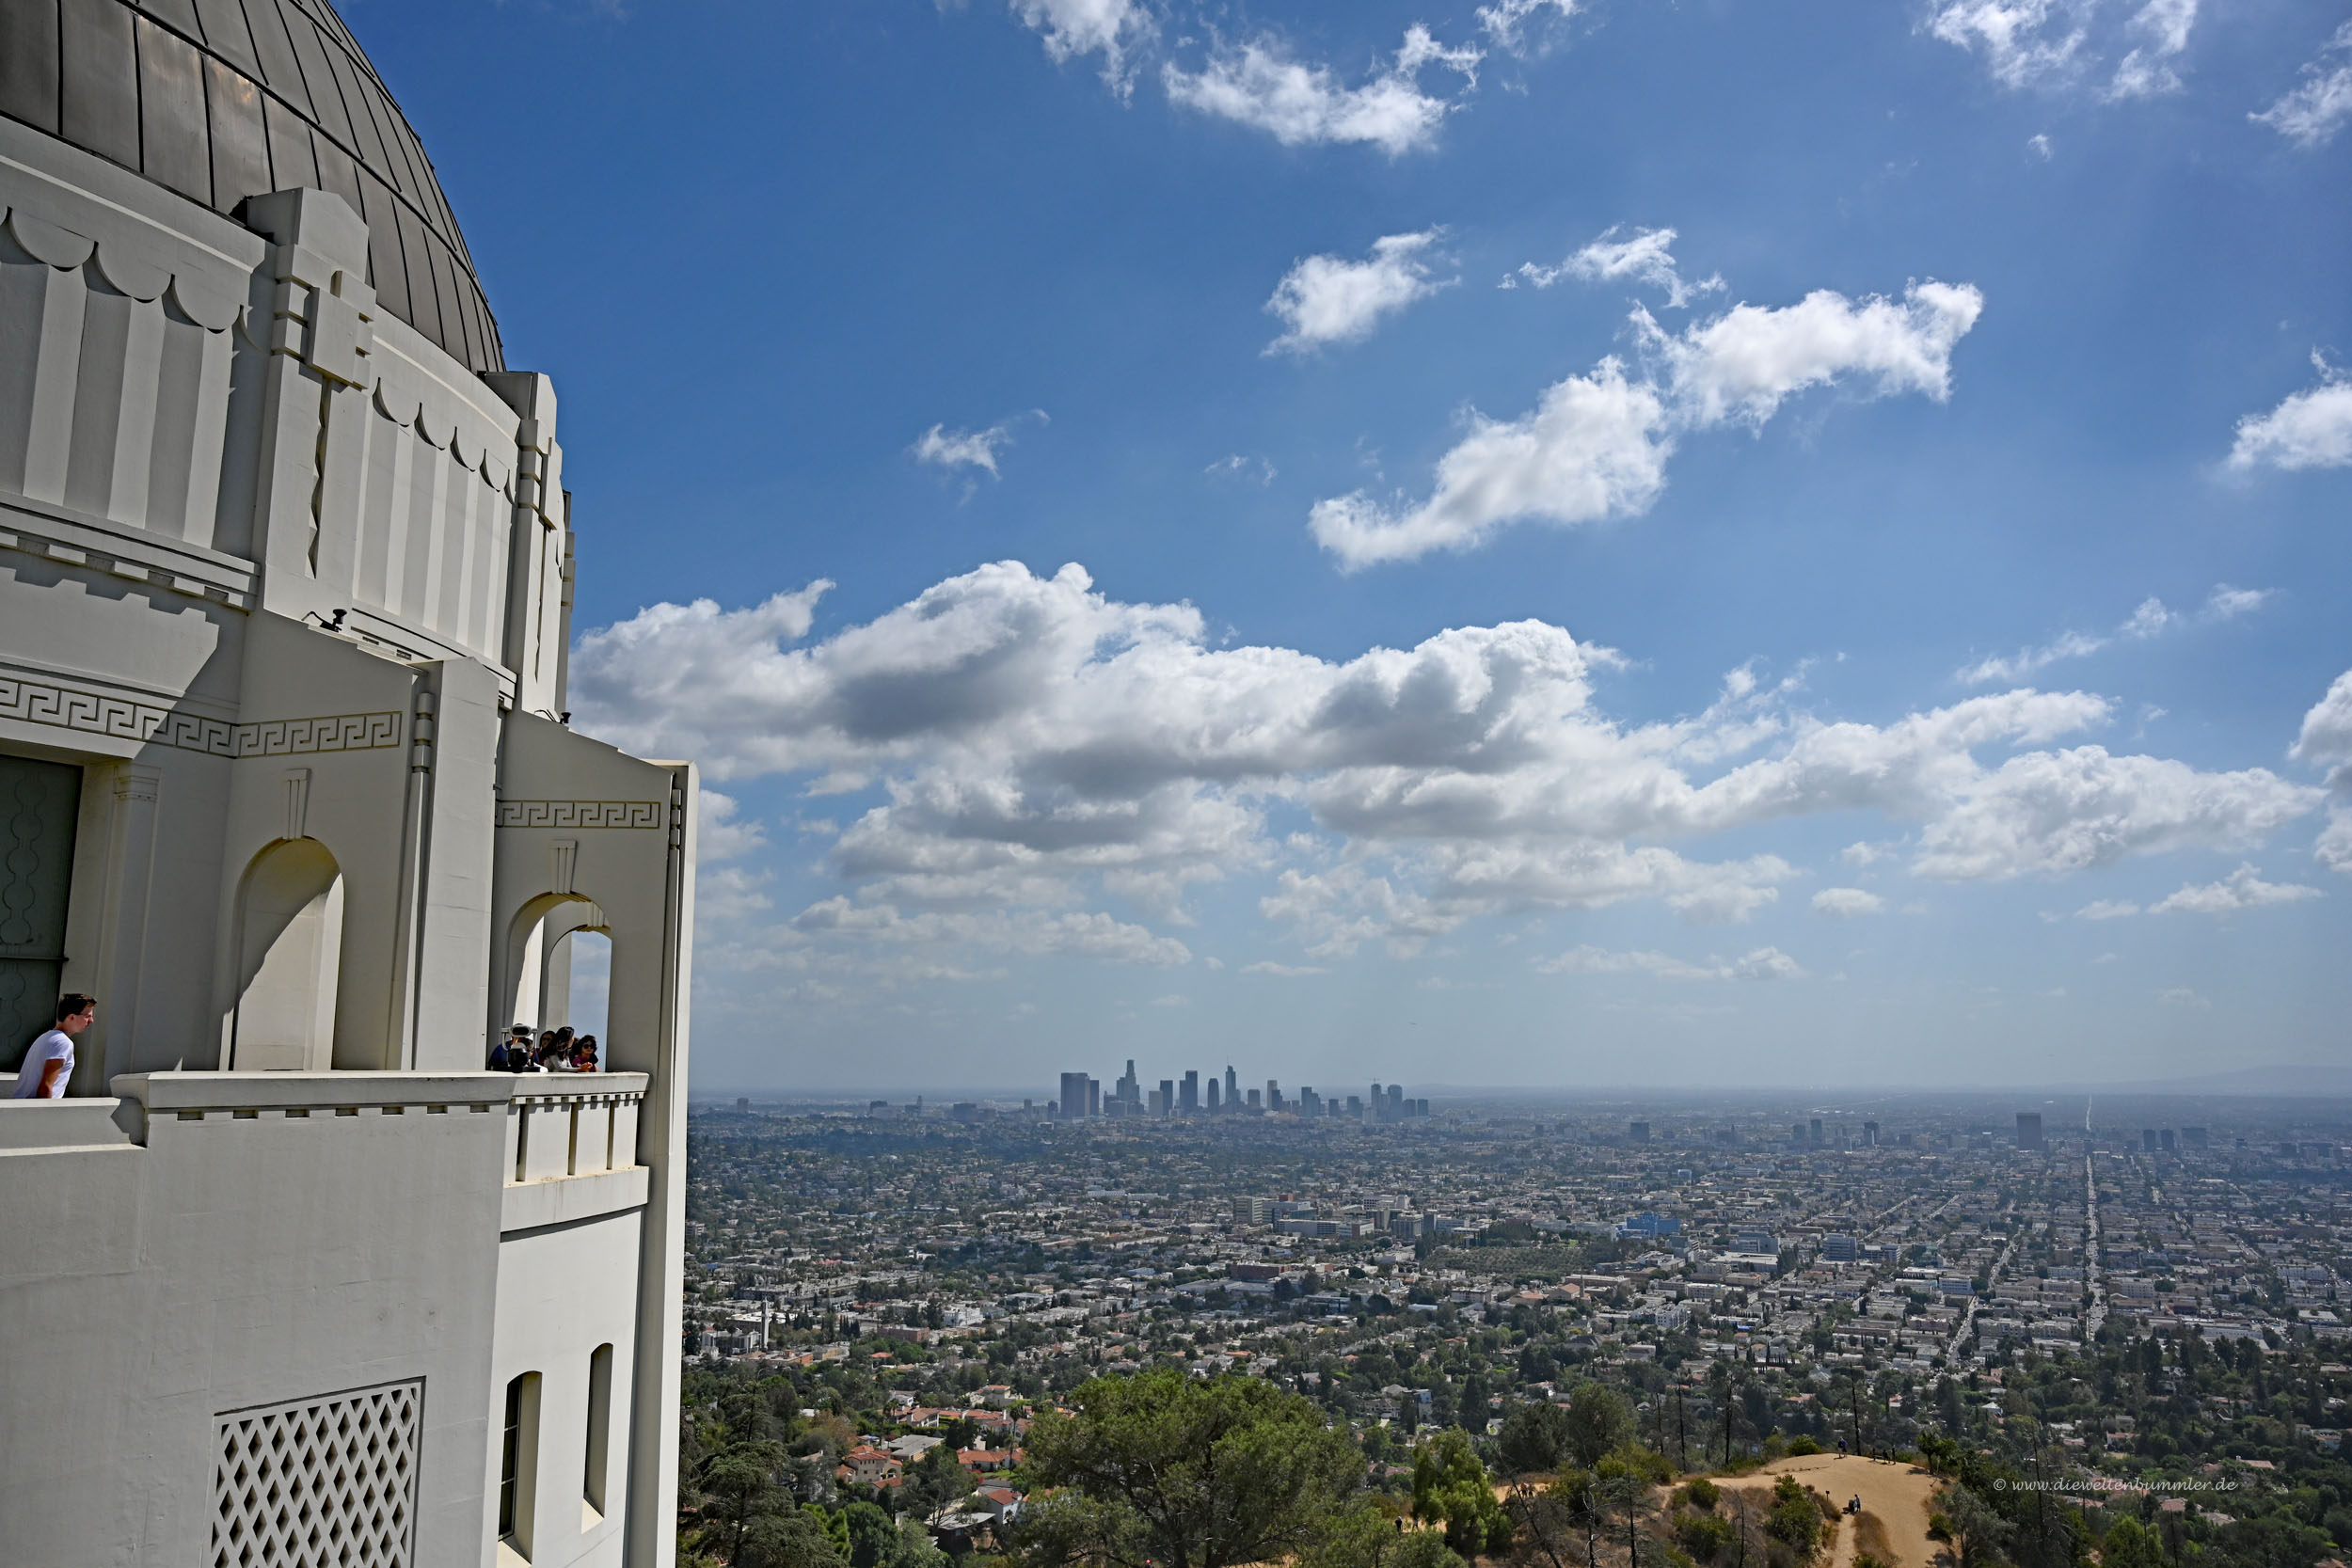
(319, 1482)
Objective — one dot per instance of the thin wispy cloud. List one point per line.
(2107, 908)
(1848, 903)
(970, 450)
(2312, 111)
(1259, 470)
(1110, 29)
(2240, 889)
(2159, 32)
(1259, 84)
(1764, 963)
(2152, 619)
(1521, 25)
(2110, 51)
(1325, 300)
(1645, 255)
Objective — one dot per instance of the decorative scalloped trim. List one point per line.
(136, 275)
(438, 420)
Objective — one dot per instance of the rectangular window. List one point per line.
(519, 1453)
(600, 1426)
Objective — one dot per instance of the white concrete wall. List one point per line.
(272, 566)
(217, 1242)
(564, 1289)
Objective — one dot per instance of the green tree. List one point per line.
(1703, 1536)
(935, 1481)
(2131, 1544)
(1534, 1440)
(792, 1539)
(916, 1548)
(1369, 1537)
(1978, 1531)
(1183, 1473)
(873, 1538)
(1795, 1520)
(739, 1487)
(1599, 1420)
(1451, 1487)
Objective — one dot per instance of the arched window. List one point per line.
(290, 944)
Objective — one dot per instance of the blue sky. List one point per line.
(1317, 576)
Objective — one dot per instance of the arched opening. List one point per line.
(583, 965)
(561, 961)
(290, 947)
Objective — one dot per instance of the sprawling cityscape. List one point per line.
(1755, 1278)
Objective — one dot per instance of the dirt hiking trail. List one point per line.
(1894, 1500)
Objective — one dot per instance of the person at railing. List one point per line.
(49, 1062)
(512, 1054)
(584, 1054)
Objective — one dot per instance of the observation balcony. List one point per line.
(569, 1148)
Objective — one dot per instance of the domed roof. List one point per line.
(219, 99)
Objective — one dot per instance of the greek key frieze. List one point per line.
(582, 814)
(336, 732)
(118, 718)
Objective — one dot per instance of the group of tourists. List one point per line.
(557, 1051)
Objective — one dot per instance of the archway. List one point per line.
(559, 960)
(580, 981)
(290, 945)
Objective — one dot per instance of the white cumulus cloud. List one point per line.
(1330, 299)
(2326, 736)
(2310, 429)
(1848, 903)
(1593, 446)
(1016, 751)
(1259, 84)
(2327, 731)
(1030, 932)
(1596, 445)
(1741, 364)
(721, 834)
(2315, 109)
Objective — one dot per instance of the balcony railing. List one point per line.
(572, 1124)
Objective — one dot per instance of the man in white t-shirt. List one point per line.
(49, 1063)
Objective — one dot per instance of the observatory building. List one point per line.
(286, 782)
